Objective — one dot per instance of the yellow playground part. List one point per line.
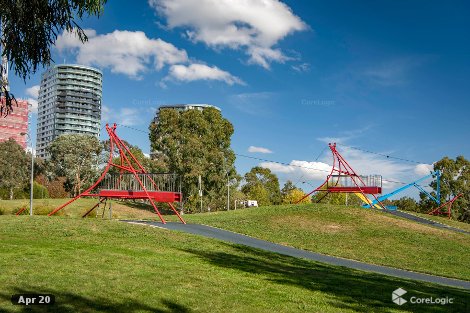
(366, 200)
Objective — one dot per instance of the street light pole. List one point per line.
(31, 181)
(32, 174)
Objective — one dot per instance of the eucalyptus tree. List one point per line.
(77, 158)
(193, 144)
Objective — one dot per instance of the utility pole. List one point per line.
(200, 190)
(228, 192)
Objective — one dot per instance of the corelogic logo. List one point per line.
(396, 296)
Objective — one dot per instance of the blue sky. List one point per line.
(385, 76)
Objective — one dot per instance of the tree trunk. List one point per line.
(11, 193)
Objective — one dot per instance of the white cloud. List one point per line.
(33, 105)
(133, 53)
(301, 68)
(254, 149)
(122, 116)
(198, 71)
(33, 91)
(296, 168)
(255, 26)
(124, 52)
(423, 169)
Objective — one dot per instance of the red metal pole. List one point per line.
(140, 182)
(95, 184)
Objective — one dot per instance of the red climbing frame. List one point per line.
(126, 166)
(341, 169)
(447, 205)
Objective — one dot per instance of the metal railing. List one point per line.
(347, 181)
(151, 181)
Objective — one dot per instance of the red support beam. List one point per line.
(447, 205)
(126, 159)
(341, 168)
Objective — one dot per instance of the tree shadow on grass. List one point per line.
(71, 302)
(347, 288)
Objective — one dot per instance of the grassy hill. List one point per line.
(353, 233)
(95, 265)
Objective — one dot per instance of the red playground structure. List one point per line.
(132, 181)
(343, 179)
(447, 206)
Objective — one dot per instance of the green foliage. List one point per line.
(39, 191)
(150, 166)
(262, 185)
(14, 167)
(291, 194)
(407, 204)
(455, 180)
(192, 143)
(295, 195)
(76, 158)
(30, 28)
(55, 186)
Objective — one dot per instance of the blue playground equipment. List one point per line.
(413, 184)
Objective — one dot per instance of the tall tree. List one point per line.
(30, 28)
(288, 187)
(259, 178)
(75, 157)
(455, 180)
(14, 166)
(196, 143)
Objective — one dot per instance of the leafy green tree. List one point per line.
(454, 180)
(257, 181)
(75, 157)
(150, 166)
(30, 28)
(288, 187)
(259, 193)
(406, 204)
(14, 166)
(294, 195)
(196, 143)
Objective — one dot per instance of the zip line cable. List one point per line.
(316, 159)
(305, 167)
(381, 154)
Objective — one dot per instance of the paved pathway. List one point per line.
(425, 221)
(236, 238)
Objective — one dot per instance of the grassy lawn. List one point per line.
(444, 220)
(77, 208)
(353, 233)
(94, 265)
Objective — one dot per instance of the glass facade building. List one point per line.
(69, 102)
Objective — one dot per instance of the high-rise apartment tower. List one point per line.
(69, 103)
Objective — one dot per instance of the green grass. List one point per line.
(95, 265)
(444, 220)
(77, 208)
(353, 233)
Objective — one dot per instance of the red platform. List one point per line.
(157, 196)
(367, 190)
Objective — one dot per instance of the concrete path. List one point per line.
(224, 235)
(425, 221)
